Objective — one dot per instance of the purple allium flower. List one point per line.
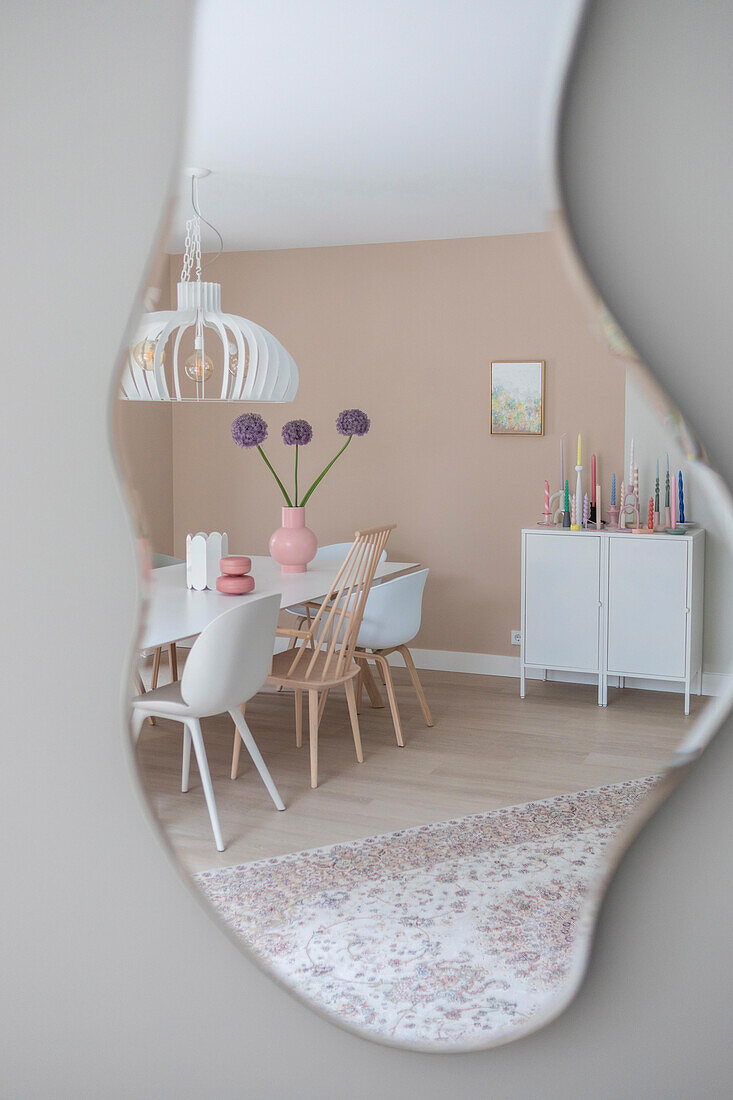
(297, 432)
(352, 422)
(249, 430)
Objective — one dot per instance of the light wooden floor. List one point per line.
(487, 749)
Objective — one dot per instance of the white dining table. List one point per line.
(175, 612)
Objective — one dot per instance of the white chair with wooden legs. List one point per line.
(324, 659)
(227, 665)
(391, 619)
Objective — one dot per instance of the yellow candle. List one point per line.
(578, 462)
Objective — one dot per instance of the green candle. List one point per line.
(567, 496)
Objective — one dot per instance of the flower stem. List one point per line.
(277, 479)
(296, 475)
(323, 473)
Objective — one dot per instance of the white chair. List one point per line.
(391, 619)
(228, 664)
(159, 561)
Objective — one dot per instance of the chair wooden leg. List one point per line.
(380, 670)
(372, 690)
(298, 718)
(410, 665)
(322, 705)
(173, 661)
(236, 747)
(353, 715)
(383, 667)
(359, 689)
(198, 747)
(154, 678)
(156, 667)
(313, 732)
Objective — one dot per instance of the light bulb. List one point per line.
(144, 354)
(233, 357)
(198, 369)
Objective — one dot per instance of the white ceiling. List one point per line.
(332, 122)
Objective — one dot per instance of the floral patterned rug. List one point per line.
(439, 936)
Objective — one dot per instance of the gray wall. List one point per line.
(116, 982)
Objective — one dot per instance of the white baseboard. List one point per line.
(497, 664)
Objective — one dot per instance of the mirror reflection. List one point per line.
(435, 575)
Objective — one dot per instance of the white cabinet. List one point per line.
(613, 603)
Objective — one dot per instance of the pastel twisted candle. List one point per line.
(651, 513)
(613, 490)
(666, 491)
(567, 495)
(636, 483)
(547, 499)
(674, 504)
(573, 512)
(622, 514)
(585, 510)
(682, 500)
(656, 491)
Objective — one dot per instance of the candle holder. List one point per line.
(556, 510)
(578, 495)
(631, 504)
(656, 520)
(613, 517)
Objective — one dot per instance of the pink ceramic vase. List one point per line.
(293, 545)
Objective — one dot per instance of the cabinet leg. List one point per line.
(687, 697)
(521, 682)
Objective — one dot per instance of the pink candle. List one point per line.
(547, 498)
(593, 479)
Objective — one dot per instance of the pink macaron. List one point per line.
(236, 565)
(235, 586)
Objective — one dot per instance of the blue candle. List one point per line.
(613, 489)
(682, 499)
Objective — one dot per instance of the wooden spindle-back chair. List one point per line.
(323, 656)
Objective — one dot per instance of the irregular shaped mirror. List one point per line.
(463, 598)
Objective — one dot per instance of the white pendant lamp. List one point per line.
(233, 359)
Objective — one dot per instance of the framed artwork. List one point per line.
(518, 397)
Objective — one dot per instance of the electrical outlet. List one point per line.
(516, 637)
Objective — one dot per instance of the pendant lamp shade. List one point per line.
(232, 359)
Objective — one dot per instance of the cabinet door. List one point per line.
(562, 601)
(647, 624)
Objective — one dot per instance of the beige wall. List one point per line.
(406, 332)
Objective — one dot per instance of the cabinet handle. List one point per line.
(687, 611)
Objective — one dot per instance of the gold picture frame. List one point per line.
(517, 397)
